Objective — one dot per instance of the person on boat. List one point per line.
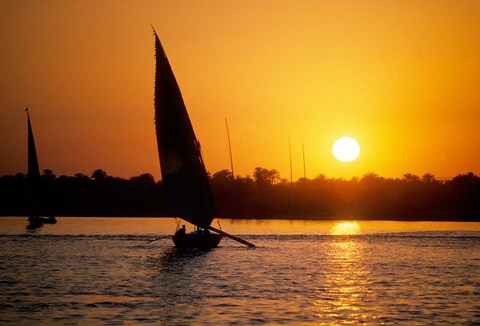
(182, 231)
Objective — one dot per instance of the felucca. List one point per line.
(184, 177)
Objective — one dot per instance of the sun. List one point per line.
(346, 149)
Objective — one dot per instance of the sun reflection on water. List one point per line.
(345, 228)
(344, 291)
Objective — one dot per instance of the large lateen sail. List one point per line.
(184, 176)
(185, 180)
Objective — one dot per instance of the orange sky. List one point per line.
(402, 77)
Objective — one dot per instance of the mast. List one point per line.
(230, 150)
(290, 152)
(304, 170)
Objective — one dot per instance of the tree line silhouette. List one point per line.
(263, 195)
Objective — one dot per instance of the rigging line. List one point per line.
(155, 239)
(177, 221)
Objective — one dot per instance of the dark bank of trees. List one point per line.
(263, 195)
(82, 195)
(369, 197)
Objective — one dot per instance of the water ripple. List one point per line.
(416, 278)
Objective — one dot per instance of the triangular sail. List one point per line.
(33, 175)
(184, 177)
(33, 168)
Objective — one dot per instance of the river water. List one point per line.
(104, 271)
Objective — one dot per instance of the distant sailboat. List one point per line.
(34, 182)
(184, 177)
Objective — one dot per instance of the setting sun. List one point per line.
(346, 149)
(400, 78)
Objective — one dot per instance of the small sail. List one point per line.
(184, 177)
(33, 168)
(33, 175)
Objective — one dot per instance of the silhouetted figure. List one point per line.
(182, 231)
(33, 225)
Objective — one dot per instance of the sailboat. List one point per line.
(34, 182)
(184, 177)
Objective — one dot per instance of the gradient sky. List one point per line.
(401, 77)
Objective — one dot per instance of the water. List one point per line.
(104, 271)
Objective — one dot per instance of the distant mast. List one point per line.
(304, 170)
(290, 152)
(230, 150)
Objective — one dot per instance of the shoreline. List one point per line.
(278, 217)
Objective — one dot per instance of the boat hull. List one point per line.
(42, 220)
(195, 240)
